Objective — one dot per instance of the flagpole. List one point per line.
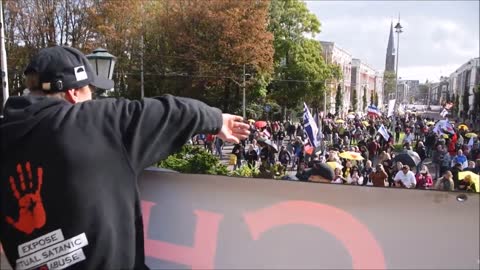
(3, 56)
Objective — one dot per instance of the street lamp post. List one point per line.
(3, 57)
(243, 86)
(102, 63)
(398, 30)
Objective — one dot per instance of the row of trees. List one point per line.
(355, 107)
(194, 48)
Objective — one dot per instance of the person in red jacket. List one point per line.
(424, 178)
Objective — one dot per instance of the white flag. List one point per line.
(470, 142)
(383, 131)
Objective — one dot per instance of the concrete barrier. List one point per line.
(216, 222)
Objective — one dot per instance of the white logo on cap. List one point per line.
(80, 73)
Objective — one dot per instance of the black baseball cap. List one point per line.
(61, 68)
(321, 169)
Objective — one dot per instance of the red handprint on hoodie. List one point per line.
(31, 214)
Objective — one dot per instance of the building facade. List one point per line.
(409, 92)
(379, 88)
(365, 80)
(403, 90)
(333, 54)
(435, 90)
(462, 83)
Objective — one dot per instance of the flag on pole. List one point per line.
(317, 119)
(383, 131)
(267, 134)
(373, 110)
(310, 126)
(444, 113)
(443, 127)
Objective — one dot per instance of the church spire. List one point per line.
(390, 57)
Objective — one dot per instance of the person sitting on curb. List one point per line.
(405, 178)
(445, 182)
(467, 184)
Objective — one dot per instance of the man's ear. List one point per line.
(71, 96)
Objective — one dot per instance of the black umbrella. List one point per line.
(408, 157)
(268, 143)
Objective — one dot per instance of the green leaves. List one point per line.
(338, 100)
(194, 159)
(246, 171)
(300, 69)
(365, 102)
(354, 101)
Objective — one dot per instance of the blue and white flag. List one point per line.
(373, 110)
(317, 120)
(383, 131)
(310, 126)
(444, 127)
(444, 113)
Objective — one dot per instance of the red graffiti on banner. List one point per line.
(362, 246)
(200, 256)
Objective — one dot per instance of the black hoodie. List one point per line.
(68, 186)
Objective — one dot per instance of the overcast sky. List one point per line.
(438, 37)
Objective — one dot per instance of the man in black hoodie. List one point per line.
(69, 165)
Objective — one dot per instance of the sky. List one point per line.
(438, 36)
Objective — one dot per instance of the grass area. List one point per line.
(399, 146)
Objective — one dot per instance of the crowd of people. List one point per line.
(358, 154)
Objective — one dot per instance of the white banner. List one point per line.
(391, 106)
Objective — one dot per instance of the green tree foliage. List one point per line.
(338, 100)
(191, 48)
(372, 97)
(365, 102)
(389, 82)
(375, 98)
(476, 98)
(354, 101)
(465, 100)
(299, 67)
(456, 104)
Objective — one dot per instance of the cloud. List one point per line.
(430, 73)
(437, 35)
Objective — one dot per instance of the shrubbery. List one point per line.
(194, 159)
